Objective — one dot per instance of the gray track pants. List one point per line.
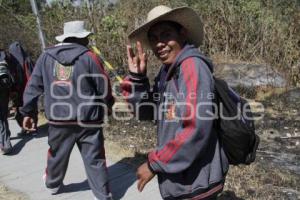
(4, 128)
(90, 142)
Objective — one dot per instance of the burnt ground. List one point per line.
(276, 171)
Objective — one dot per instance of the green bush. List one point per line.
(265, 31)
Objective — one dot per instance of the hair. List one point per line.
(82, 41)
(175, 25)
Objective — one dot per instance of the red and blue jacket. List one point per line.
(188, 159)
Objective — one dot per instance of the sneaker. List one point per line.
(108, 198)
(51, 190)
(5, 151)
(12, 116)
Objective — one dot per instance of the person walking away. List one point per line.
(6, 84)
(24, 67)
(77, 97)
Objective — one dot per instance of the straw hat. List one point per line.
(73, 29)
(184, 16)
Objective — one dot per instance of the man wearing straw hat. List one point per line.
(188, 159)
(77, 96)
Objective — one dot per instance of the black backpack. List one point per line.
(6, 79)
(236, 134)
(236, 125)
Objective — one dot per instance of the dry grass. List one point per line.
(264, 93)
(42, 119)
(259, 181)
(7, 194)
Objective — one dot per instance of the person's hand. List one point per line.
(29, 124)
(144, 175)
(137, 63)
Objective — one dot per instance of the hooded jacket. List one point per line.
(75, 86)
(4, 93)
(22, 59)
(23, 66)
(188, 159)
(8, 69)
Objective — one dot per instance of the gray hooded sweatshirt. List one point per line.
(75, 85)
(188, 159)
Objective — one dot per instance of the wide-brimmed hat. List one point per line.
(73, 29)
(184, 16)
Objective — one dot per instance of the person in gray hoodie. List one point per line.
(77, 97)
(188, 160)
(6, 73)
(23, 67)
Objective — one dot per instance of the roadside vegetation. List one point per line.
(261, 31)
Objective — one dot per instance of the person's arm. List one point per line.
(102, 82)
(192, 138)
(136, 87)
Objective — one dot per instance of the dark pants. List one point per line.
(207, 198)
(90, 142)
(4, 128)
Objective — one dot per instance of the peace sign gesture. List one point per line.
(137, 63)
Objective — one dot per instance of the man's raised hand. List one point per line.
(137, 63)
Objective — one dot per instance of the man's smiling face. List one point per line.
(166, 41)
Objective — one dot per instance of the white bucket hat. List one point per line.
(73, 29)
(184, 16)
